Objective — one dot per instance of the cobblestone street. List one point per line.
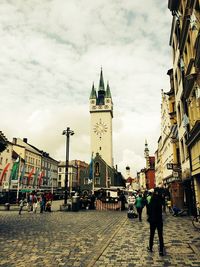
(92, 238)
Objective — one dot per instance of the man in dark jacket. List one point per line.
(155, 220)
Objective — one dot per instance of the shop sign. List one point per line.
(173, 166)
(171, 179)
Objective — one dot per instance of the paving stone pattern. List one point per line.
(92, 238)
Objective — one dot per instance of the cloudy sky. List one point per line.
(51, 53)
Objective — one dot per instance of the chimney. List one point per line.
(25, 140)
(116, 167)
(14, 140)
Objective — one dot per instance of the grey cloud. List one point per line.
(52, 51)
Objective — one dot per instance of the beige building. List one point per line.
(74, 169)
(168, 149)
(41, 170)
(6, 164)
(142, 179)
(158, 164)
(32, 160)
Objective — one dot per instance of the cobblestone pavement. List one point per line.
(92, 238)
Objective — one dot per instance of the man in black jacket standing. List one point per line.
(155, 220)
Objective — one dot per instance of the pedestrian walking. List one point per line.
(21, 205)
(155, 220)
(139, 204)
(42, 203)
(122, 198)
(35, 204)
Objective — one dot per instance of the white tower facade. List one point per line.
(101, 110)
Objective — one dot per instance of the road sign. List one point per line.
(169, 166)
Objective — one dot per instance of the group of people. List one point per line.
(33, 201)
(154, 202)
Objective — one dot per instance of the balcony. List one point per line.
(194, 134)
(184, 33)
(188, 84)
(197, 47)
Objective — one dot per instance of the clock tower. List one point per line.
(101, 110)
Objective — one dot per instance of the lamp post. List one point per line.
(67, 132)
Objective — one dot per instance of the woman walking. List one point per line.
(139, 204)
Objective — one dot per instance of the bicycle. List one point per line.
(196, 220)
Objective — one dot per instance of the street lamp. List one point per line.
(67, 132)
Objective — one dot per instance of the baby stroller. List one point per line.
(131, 214)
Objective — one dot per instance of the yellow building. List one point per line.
(184, 40)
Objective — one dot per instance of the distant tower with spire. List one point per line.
(146, 155)
(101, 110)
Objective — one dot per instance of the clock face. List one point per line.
(100, 128)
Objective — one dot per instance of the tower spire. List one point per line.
(101, 82)
(108, 93)
(101, 91)
(93, 94)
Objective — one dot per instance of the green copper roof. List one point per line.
(108, 93)
(101, 82)
(93, 94)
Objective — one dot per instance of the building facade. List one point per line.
(184, 40)
(150, 168)
(6, 164)
(75, 167)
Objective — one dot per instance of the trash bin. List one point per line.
(75, 203)
(7, 206)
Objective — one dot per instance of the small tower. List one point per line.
(146, 155)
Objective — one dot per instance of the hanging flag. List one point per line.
(40, 178)
(91, 168)
(14, 171)
(29, 176)
(23, 170)
(35, 178)
(3, 172)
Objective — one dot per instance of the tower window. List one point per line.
(97, 181)
(100, 148)
(97, 169)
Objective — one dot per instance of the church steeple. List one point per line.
(101, 91)
(93, 94)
